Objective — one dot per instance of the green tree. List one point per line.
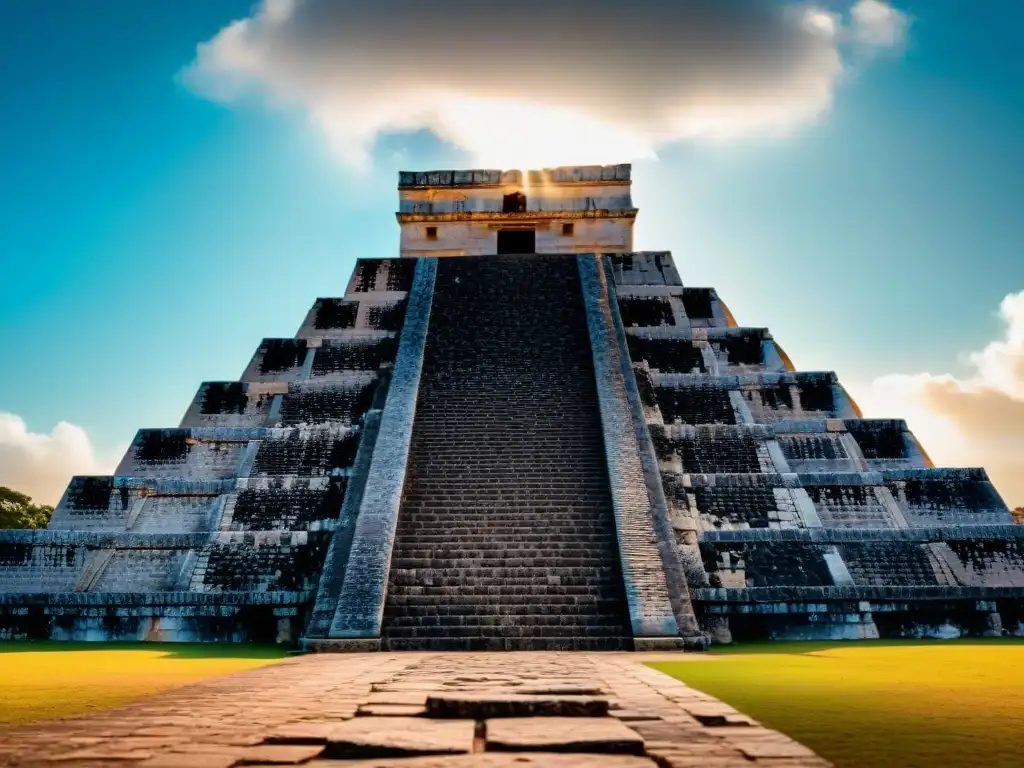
(18, 511)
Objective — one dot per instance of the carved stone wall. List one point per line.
(751, 451)
(218, 529)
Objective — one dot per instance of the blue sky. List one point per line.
(151, 237)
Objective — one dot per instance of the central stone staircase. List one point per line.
(506, 536)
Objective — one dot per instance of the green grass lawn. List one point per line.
(928, 704)
(46, 681)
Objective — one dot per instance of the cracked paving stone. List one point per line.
(399, 736)
(563, 734)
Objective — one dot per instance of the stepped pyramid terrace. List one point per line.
(520, 434)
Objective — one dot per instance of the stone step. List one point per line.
(465, 587)
(512, 506)
(506, 536)
(419, 618)
(510, 503)
(603, 612)
(622, 643)
(519, 630)
(521, 568)
(494, 599)
(484, 549)
(511, 518)
(429, 535)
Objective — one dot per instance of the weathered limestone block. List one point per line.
(278, 360)
(144, 570)
(318, 403)
(26, 566)
(305, 453)
(991, 563)
(930, 497)
(277, 562)
(889, 563)
(338, 359)
(391, 276)
(292, 504)
(644, 268)
(174, 514)
(187, 454)
(763, 564)
(887, 444)
(710, 449)
(736, 501)
(230, 404)
(852, 500)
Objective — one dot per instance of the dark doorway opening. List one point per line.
(517, 241)
(514, 203)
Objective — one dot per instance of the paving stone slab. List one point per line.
(563, 734)
(776, 747)
(482, 705)
(192, 761)
(399, 737)
(280, 754)
(500, 760)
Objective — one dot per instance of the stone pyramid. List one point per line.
(520, 434)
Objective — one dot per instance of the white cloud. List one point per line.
(41, 465)
(974, 421)
(878, 24)
(534, 82)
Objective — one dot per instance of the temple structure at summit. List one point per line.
(520, 434)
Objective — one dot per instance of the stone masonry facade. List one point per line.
(556, 448)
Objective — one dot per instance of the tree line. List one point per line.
(17, 510)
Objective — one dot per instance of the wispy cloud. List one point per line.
(977, 420)
(536, 82)
(41, 464)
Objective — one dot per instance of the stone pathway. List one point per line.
(419, 710)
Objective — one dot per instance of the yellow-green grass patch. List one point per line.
(48, 681)
(928, 703)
